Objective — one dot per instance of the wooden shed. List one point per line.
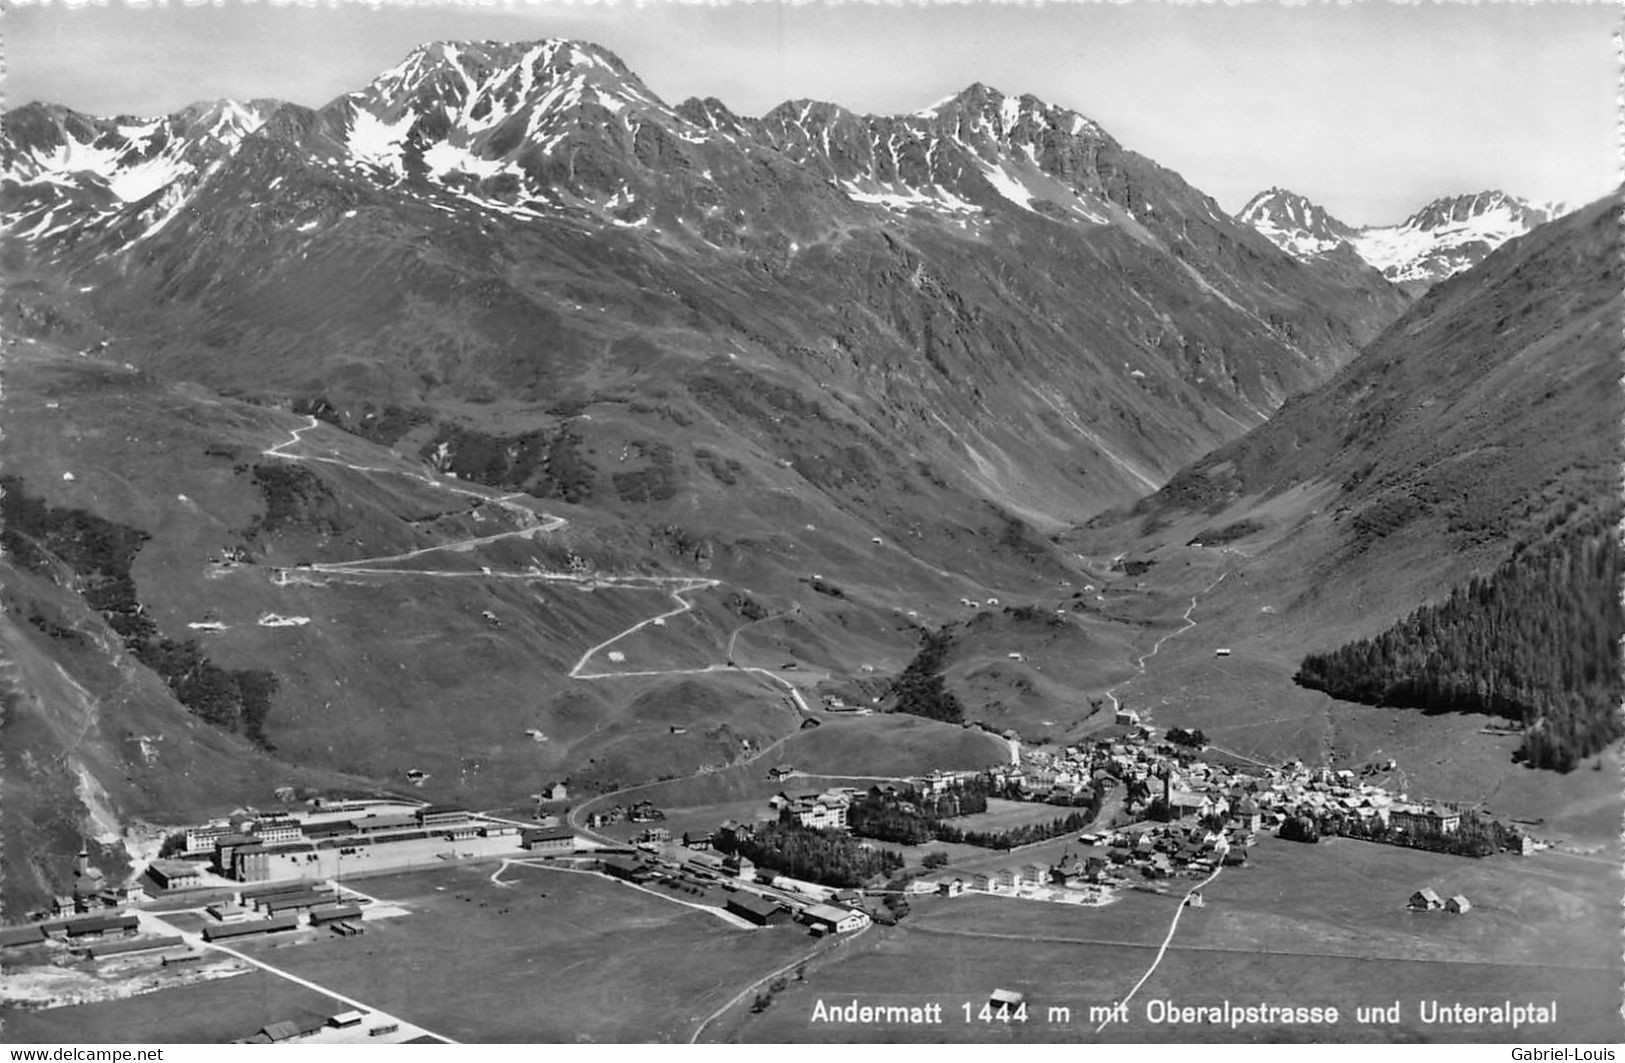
(1425, 899)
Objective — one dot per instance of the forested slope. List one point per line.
(1536, 641)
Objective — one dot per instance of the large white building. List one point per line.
(835, 918)
(1424, 821)
(825, 811)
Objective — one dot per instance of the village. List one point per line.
(1153, 807)
(1131, 809)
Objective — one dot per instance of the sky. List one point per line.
(1370, 108)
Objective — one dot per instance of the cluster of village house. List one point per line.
(91, 892)
(1213, 812)
(1427, 899)
(1251, 800)
(1159, 851)
(639, 812)
(1197, 789)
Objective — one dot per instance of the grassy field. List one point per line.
(1348, 898)
(553, 957)
(742, 800)
(1135, 918)
(890, 745)
(1342, 897)
(1003, 815)
(204, 1013)
(884, 746)
(908, 968)
(1302, 925)
(1587, 1002)
(1044, 693)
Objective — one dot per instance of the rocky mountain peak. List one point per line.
(710, 114)
(808, 114)
(46, 141)
(460, 89)
(983, 111)
(1294, 223)
(479, 64)
(224, 121)
(1462, 209)
(66, 172)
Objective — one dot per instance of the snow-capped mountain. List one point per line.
(1294, 224)
(977, 151)
(1450, 234)
(538, 129)
(518, 127)
(1445, 237)
(526, 127)
(61, 171)
(488, 219)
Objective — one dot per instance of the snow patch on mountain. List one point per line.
(902, 197)
(158, 213)
(1008, 186)
(1445, 237)
(444, 159)
(68, 172)
(142, 180)
(377, 142)
(1449, 235)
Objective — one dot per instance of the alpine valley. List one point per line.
(499, 426)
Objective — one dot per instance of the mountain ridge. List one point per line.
(1437, 240)
(524, 132)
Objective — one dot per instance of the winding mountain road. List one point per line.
(1156, 647)
(680, 590)
(526, 516)
(677, 587)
